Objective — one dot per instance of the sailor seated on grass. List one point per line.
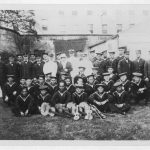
(44, 102)
(24, 103)
(79, 98)
(120, 99)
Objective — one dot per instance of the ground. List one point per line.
(134, 126)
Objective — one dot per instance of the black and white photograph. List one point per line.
(75, 72)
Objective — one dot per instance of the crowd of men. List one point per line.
(78, 86)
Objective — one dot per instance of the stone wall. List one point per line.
(7, 41)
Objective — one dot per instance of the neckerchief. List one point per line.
(24, 98)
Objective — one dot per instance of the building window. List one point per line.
(119, 28)
(90, 28)
(74, 13)
(104, 28)
(131, 25)
(145, 12)
(89, 12)
(61, 13)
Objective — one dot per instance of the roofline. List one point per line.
(101, 42)
(71, 34)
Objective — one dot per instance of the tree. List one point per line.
(21, 21)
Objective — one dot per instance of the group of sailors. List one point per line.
(85, 85)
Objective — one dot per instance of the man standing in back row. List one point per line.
(138, 63)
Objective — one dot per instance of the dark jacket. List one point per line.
(138, 66)
(61, 98)
(13, 69)
(26, 70)
(89, 89)
(99, 98)
(120, 98)
(24, 103)
(125, 66)
(38, 69)
(47, 99)
(77, 99)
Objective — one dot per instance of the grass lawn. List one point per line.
(133, 126)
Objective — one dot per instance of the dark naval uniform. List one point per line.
(121, 100)
(10, 90)
(78, 98)
(24, 103)
(47, 99)
(89, 89)
(101, 98)
(61, 98)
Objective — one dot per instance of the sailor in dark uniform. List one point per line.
(61, 98)
(52, 85)
(138, 89)
(69, 86)
(112, 76)
(98, 78)
(120, 99)
(44, 102)
(108, 82)
(126, 84)
(21, 85)
(101, 99)
(24, 103)
(90, 86)
(10, 90)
